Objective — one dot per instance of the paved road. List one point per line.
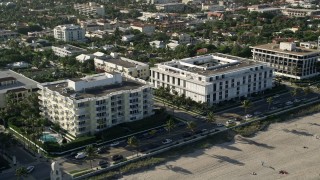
(41, 171)
(178, 133)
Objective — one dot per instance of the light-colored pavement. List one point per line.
(291, 146)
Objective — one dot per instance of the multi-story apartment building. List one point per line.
(15, 83)
(213, 78)
(94, 103)
(287, 59)
(162, 1)
(90, 9)
(69, 32)
(124, 65)
(171, 7)
(67, 50)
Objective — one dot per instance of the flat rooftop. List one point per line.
(276, 48)
(127, 84)
(121, 61)
(70, 48)
(211, 64)
(22, 81)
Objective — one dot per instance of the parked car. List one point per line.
(80, 155)
(117, 157)
(276, 96)
(296, 100)
(30, 169)
(116, 143)
(186, 135)
(103, 163)
(219, 125)
(166, 141)
(238, 119)
(288, 103)
(273, 108)
(101, 150)
(230, 123)
(248, 116)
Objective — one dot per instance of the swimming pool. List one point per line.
(48, 138)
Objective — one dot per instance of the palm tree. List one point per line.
(21, 172)
(191, 125)
(211, 118)
(307, 90)
(170, 125)
(246, 104)
(294, 92)
(91, 153)
(269, 101)
(133, 142)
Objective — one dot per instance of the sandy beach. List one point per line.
(292, 146)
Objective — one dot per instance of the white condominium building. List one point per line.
(69, 32)
(94, 103)
(90, 9)
(121, 64)
(287, 59)
(213, 78)
(67, 50)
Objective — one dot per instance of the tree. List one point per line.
(246, 104)
(269, 101)
(133, 142)
(21, 172)
(307, 90)
(170, 125)
(294, 92)
(91, 153)
(211, 118)
(191, 125)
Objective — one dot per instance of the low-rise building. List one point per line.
(7, 34)
(94, 103)
(264, 8)
(144, 28)
(67, 50)
(171, 7)
(309, 45)
(299, 12)
(15, 85)
(157, 44)
(69, 32)
(121, 64)
(213, 78)
(287, 59)
(90, 9)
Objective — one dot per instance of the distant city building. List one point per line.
(212, 8)
(300, 12)
(213, 78)
(287, 59)
(162, 1)
(157, 44)
(144, 28)
(264, 8)
(16, 84)
(171, 7)
(7, 34)
(94, 103)
(69, 32)
(67, 50)
(309, 45)
(124, 65)
(90, 9)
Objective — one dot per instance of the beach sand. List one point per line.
(291, 146)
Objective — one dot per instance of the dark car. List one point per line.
(103, 163)
(117, 157)
(101, 150)
(186, 135)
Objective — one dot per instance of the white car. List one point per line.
(166, 141)
(296, 100)
(116, 143)
(30, 169)
(248, 116)
(80, 155)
